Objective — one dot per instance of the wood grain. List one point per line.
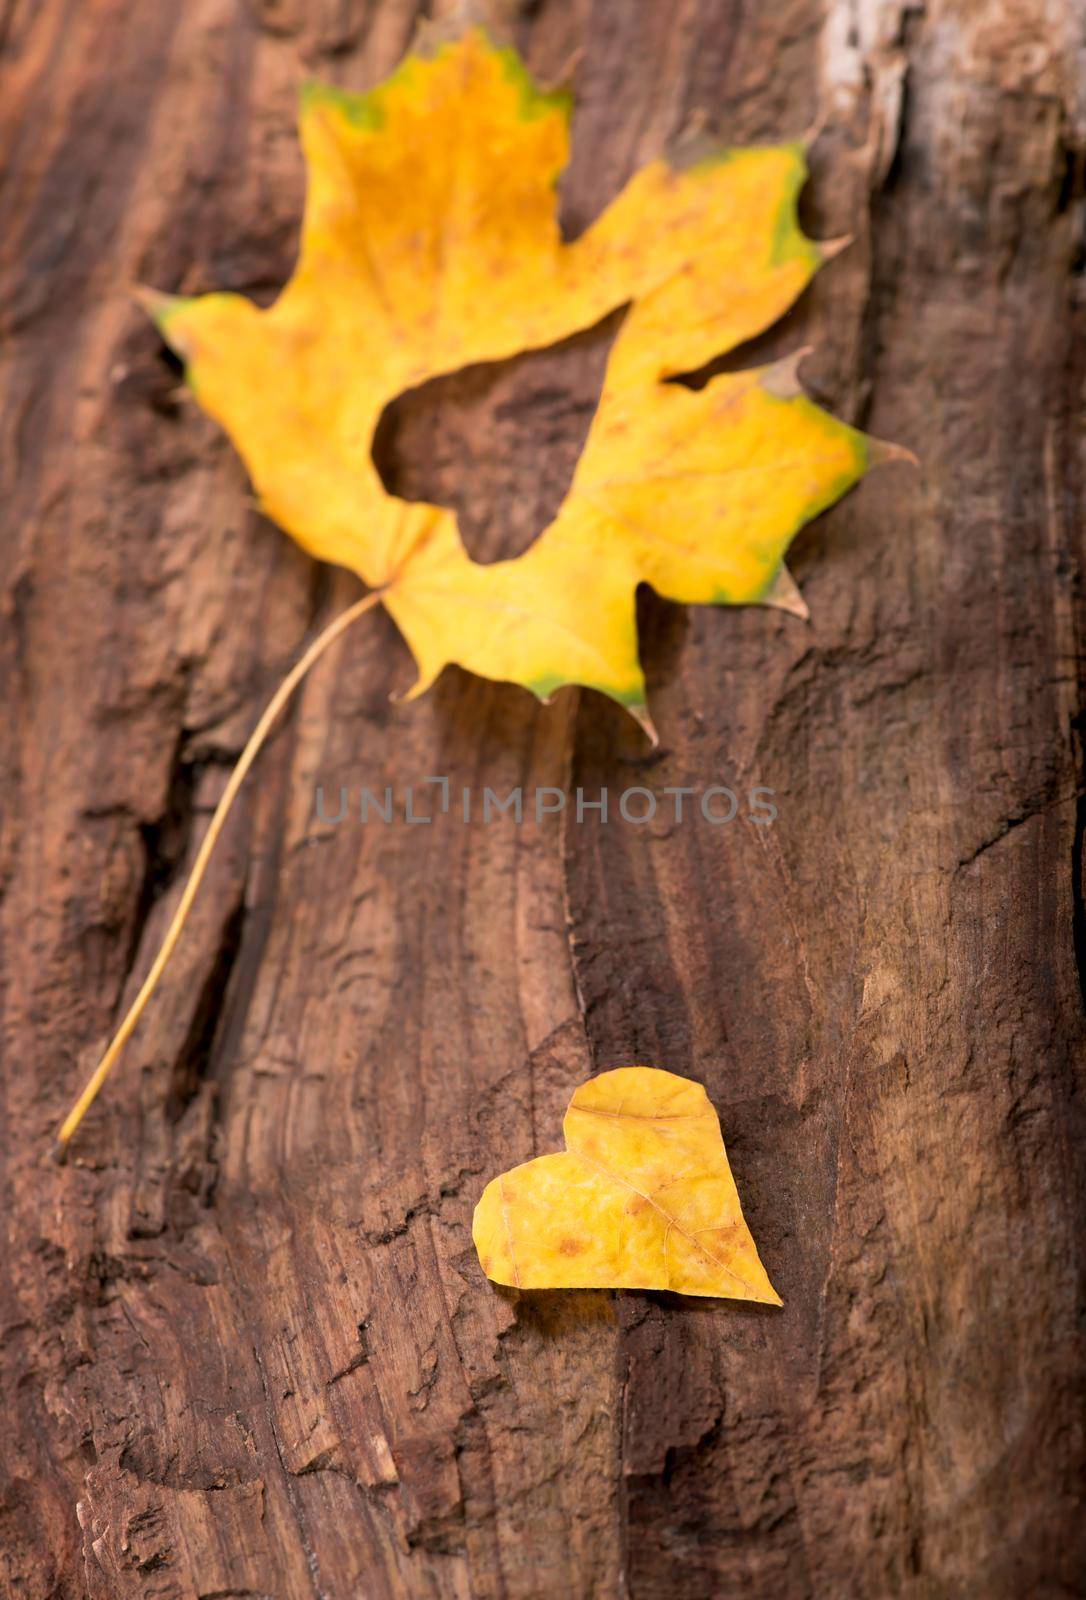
(246, 1348)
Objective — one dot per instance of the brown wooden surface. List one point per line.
(246, 1346)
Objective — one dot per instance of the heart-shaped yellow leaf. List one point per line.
(641, 1198)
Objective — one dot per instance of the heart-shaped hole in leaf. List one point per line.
(497, 442)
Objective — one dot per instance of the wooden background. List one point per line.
(246, 1347)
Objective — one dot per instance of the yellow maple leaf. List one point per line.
(431, 241)
(641, 1198)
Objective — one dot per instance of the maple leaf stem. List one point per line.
(207, 845)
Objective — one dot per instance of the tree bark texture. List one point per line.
(247, 1349)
